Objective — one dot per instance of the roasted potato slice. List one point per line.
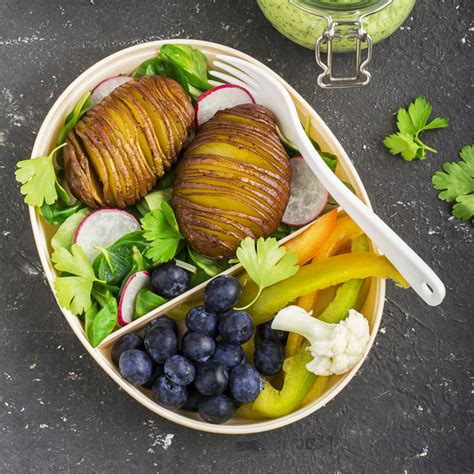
(79, 175)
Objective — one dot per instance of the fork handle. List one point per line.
(418, 274)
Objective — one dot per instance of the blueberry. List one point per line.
(162, 321)
(266, 333)
(179, 370)
(125, 343)
(159, 370)
(236, 327)
(195, 398)
(245, 383)
(198, 347)
(211, 378)
(199, 319)
(229, 354)
(169, 281)
(217, 409)
(168, 393)
(269, 357)
(136, 366)
(161, 343)
(222, 293)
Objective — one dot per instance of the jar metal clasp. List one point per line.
(361, 76)
(348, 28)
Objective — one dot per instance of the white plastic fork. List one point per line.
(268, 91)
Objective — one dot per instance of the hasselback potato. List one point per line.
(233, 181)
(122, 145)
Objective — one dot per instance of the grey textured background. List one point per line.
(409, 408)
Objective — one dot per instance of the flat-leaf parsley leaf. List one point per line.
(162, 231)
(39, 180)
(410, 124)
(74, 290)
(456, 183)
(266, 262)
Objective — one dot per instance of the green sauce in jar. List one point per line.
(304, 28)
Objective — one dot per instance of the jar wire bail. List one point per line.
(355, 30)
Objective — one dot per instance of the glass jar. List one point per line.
(337, 26)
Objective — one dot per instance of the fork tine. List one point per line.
(229, 79)
(239, 74)
(249, 69)
(214, 83)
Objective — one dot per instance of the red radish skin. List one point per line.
(308, 197)
(103, 227)
(126, 306)
(105, 87)
(219, 98)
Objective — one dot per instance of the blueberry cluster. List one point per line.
(207, 372)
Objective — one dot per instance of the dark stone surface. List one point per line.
(408, 408)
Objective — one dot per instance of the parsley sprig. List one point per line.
(456, 184)
(266, 263)
(162, 231)
(39, 180)
(411, 123)
(74, 290)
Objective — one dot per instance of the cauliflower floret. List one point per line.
(336, 348)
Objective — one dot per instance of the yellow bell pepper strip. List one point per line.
(322, 298)
(344, 231)
(347, 294)
(309, 243)
(316, 276)
(249, 349)
(298, 381)
(359, 304)
(246, 411)
(317, 390)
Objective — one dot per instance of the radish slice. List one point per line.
(126, 306)
(308, 197)
(102, 228)
(105, 87)
(220, 98)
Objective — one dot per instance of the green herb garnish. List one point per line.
(266, 263)
(98, 324)
(162, 231)
(40, 183)
(184, 64)
(147, 301)
(84, 104)
(456, 183)
(411, 123)
(74, 291)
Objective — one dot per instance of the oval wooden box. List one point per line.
(122, 62)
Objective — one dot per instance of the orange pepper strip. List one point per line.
(311, 241)
(344, 231)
